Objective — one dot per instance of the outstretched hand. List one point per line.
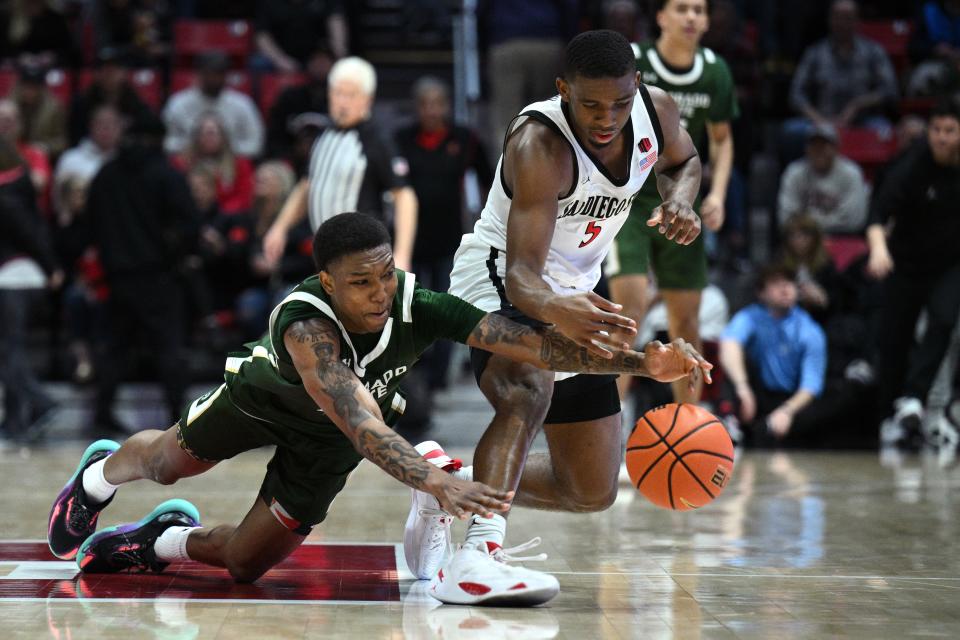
(460, 498)
(677, 221)
(674, 361)
(593, 322)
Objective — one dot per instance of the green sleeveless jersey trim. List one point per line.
(263, 382)
(704, 93)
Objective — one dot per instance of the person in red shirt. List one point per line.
(209, 144)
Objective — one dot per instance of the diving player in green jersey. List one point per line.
(699, 81)
(321, 386)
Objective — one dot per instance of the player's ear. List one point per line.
(637, 80)
(326, 281)
(563, 89)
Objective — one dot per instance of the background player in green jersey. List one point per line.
(700, 83)
(321, 386)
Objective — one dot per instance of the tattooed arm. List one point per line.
(548, 349)
(314, 346)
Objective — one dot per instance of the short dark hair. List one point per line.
(344, 234)
(660, 5)
(947, 108)
(774, 271)
(599, 54)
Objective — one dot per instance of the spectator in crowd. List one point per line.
(42, 117)
(22, 233)
(526, 41)
(913, 235)
(234, 174)
(36, 32)
(805, 254)
(35, 158)
(845, 80)
(83, 161)
(775, 356)
(143, 221)
(85, 295)
(275, 181)
(237, 110)
(352, 167)
(109, 85)
(440, 154)
(142, 28)
(305, 100)
(825, 185)
(624, 17)
(289, 31)
(935, 48)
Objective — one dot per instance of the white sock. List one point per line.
(480, 530)
(171, 546)
(95, 485)
(464, 473)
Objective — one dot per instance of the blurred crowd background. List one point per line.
(148, 146)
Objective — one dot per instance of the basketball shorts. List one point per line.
(477, 277)
(638, 247)
(305, 473)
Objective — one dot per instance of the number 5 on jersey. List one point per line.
(593, 230)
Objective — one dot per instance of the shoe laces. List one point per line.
(507, 555)
(437, 517)
(81, 517)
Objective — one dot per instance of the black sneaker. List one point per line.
(129, 547)
(73, 519)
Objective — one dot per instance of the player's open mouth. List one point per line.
(604, 136)
(381, 315)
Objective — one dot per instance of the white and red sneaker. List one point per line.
(481, 576)
(426, 536)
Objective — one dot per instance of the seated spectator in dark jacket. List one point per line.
(109, 85)
(935, 48)
(43, 119)
(804, 253)
(36, 159)
(306, 100)
(36, 32)
(775, 357)
(289, 30)
(141, 28)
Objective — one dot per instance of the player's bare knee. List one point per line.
(592, 499)
(159, 469)
(246, 571)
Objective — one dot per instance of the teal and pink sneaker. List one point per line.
(129, 547)
(73, 518)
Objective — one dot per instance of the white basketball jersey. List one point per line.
(591, 214)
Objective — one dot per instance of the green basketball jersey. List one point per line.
(264, 382)
(704, 93)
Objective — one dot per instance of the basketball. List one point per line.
(679, 456)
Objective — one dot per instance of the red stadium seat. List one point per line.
(273, 84)
(893, 36)
(867, 148)
(7, 80)
(193, 37)
(184, 78)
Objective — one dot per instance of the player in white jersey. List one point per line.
(569, 171)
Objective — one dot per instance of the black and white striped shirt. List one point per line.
(350, 170)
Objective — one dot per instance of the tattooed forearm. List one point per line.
(495, 329)
(353, 409)
(559, 353)
(393, 454)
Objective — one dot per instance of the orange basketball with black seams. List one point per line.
(679, 456)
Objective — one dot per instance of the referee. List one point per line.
(352, 166)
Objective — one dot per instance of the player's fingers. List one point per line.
(693, 232)
(614, 319)
(602, 303)
(656, 217)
